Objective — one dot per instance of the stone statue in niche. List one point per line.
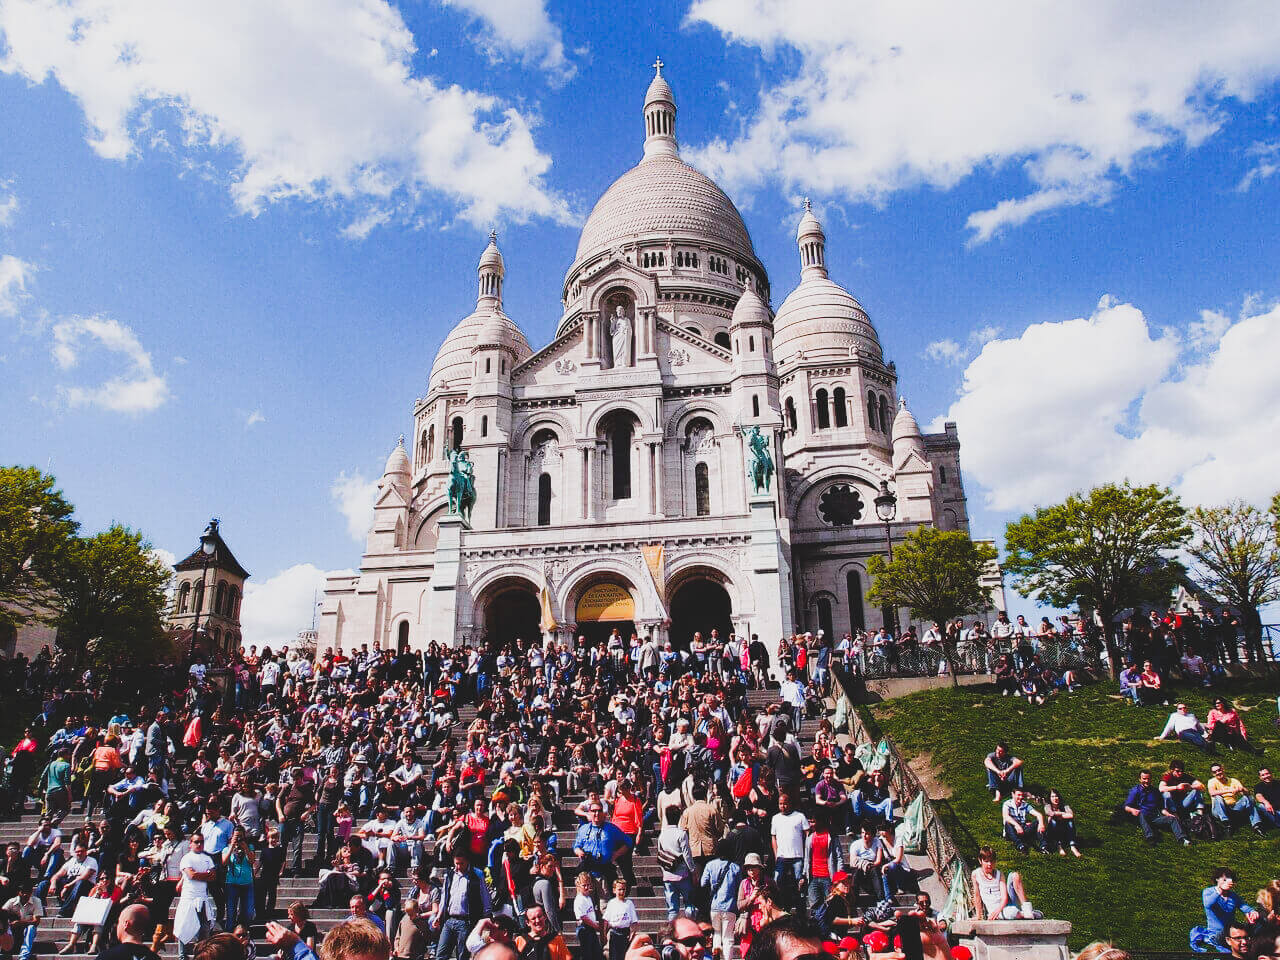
(620, 338)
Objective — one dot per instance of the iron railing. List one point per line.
(939, 845)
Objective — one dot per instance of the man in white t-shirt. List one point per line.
(196, 909)
(788, 829)
(270, 676)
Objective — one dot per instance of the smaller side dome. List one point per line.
(750, 309)
(398, 462)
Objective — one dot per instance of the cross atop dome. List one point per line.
(807, 206)
(657, 66)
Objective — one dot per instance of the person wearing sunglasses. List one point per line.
(681, 939)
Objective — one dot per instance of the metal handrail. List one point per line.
(939, 845)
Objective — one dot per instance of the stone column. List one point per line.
(770, 577)
(445, 580)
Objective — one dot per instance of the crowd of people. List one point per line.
(355, 773)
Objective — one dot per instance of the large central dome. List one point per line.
(664, 196)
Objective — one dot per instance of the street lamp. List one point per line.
(886, 509)
(207, 549)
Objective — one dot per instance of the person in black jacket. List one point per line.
(464, 899)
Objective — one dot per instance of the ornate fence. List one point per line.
(939, 845)
(926, 661)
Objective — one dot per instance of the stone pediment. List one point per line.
(389, 496)
(913, 463)
(681, 352)
(558, 362)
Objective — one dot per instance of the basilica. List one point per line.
(611, 466)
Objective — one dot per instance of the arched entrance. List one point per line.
(511, 612)
(603, 607)
(699, 603)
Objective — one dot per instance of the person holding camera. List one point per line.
(238, 859)
(681, 939)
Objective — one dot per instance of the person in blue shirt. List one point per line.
(599, 844)
(720, 878)
(1220, 905)
(1145, 805)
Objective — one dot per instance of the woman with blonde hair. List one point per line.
(1100, 950)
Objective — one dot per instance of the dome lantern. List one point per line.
(659, 117)
(491, 270)
(813, 244)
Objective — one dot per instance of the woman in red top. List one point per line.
(477, 824)
(628, 816)
(823, 857)
(1225, 726)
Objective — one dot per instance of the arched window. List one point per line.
(751, 344)
(184, 596)
(824, 414)
(884, 414)
(824, 617)
(620, 453)
(695, 331)
(755, 404)
(199, 598)
(842, 410)
(217, 638)
(791, 415)
(722, 340)
(233, 603)
(871, 411)
(942, 474)
(488, 364)
(544, 500)
(457, 433)
(220, 598)
(702, 489)
(424, 449)
(484, 426)
(857, 619)
(402, 638)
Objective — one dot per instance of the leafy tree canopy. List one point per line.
(1236, 557)
(1107, 550)
(36, 531)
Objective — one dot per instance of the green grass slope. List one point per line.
(1091, 747)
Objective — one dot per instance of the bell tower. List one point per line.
(205, 616)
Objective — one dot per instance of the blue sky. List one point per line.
(232, 236)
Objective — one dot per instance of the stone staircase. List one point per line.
(55, 931)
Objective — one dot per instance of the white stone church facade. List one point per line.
(610, 466)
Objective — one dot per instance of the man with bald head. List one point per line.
(132, 930)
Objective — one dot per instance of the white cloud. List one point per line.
(275, 610)
(317, 101)
(520, 28)
(138, 390)
(354, 495)
(944, 351)
(1071, 404)
(14, 275)
(883, 97)
(362, 226)
(1266, 163)
(255, 417)
(8, 207)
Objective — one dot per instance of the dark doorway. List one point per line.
(597, 631)
(511, 614)
(699, 604)
(402, 640)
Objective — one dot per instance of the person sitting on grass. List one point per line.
(1266, 797)
(1183, 794)
(1145, 805)
(1150, 686)
(1023, 824)
(1060, 825)
(1225, 726)
(1004, 772)
(1221, 903)
(1183, 725)
(1229, 799)
(1129, 682)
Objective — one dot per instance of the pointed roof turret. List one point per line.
(906, 435)
(659, 117)
(398, 462)
(491, 270)
(813, 244)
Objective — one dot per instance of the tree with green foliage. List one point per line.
(1107, 550)
(36, 531)
(111, 593)
(1237, 560)
(938, 575)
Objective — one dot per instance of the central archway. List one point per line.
(603, 607)
(511, 612)
(699, 603)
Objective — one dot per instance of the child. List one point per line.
(343, 822)
(619, 917)
(587, 912)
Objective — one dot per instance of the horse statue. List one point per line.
(759, 463)
(462, 484)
